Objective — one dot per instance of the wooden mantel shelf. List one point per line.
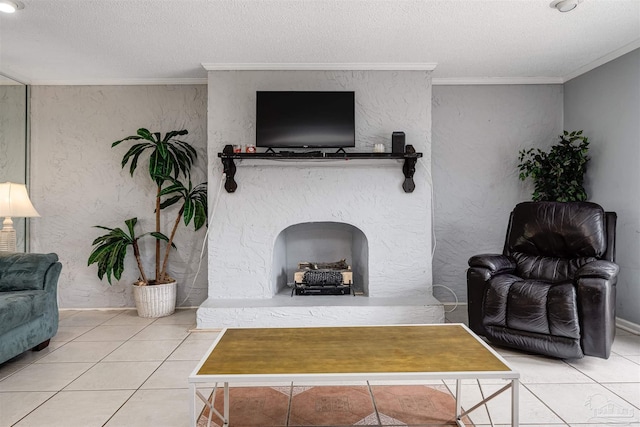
(227, 157)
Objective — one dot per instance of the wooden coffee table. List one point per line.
(358, 353)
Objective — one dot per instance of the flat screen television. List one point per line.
(305, 119)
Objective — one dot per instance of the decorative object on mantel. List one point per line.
(14, 202)
(559, 174)
(397, 142)
(410, 157)
(169, 160)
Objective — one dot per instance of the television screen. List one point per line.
(305, 119)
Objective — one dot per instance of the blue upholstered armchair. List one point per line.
(28, 302)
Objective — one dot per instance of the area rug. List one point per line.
(336, 406)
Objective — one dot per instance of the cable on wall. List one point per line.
(433, 232)
(204, 242)
(454, 296)
(433, 218)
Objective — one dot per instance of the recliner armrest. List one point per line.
(495, 263)
(599, 269)
(481, 269)
(595, 285)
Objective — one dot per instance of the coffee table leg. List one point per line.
(515, 398)
(458, 400)
(192, 403)
(226, 404)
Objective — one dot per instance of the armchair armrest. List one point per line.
(495, 263)
(51, 278)
(599, 269)
(595, 284)
(481, 269)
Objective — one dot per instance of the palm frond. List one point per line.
(171, 201)
(145, 134)
(110, 250)
(125, 139)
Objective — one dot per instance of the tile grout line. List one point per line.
(151, 374)
(290, 403)
(373, 402)
(66, 385)
(635, 405)
(55, 393)
(545, 403)
(135, 390)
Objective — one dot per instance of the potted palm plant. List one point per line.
(168, 161)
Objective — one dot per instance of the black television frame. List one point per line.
(298, 111)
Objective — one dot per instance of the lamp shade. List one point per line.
(14, 201)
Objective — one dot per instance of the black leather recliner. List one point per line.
(553, 289)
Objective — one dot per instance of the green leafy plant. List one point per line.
(559, 174)
(169, 159)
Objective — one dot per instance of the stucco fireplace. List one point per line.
(285, 211)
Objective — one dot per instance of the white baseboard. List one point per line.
(450, 307)
(451, 303)
(94, 308)
(112, 308)
(634, 328)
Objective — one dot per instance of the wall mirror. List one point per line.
(14, 144)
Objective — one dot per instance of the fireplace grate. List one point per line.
(323, 279)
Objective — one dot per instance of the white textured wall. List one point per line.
(12, 133)
(605, 103)
(477, 133)
(272, 196)
(13, 122)
(77, 182)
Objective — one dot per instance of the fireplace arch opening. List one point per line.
(320, 242)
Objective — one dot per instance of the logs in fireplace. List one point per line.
(329, 278)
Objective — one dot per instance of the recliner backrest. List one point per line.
(558, 229)
(551, 240)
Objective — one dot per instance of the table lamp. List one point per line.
(14, 202)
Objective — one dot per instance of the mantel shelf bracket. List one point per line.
(410, 157)
(229, 169)
(408, 169)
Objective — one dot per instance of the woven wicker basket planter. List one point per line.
(155, 300)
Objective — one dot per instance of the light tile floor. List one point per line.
(113, 368)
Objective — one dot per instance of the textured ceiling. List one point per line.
(129, 41)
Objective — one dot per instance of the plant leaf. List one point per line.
(189, 210)
(145, 134)
(171, 201)
(200, 217)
